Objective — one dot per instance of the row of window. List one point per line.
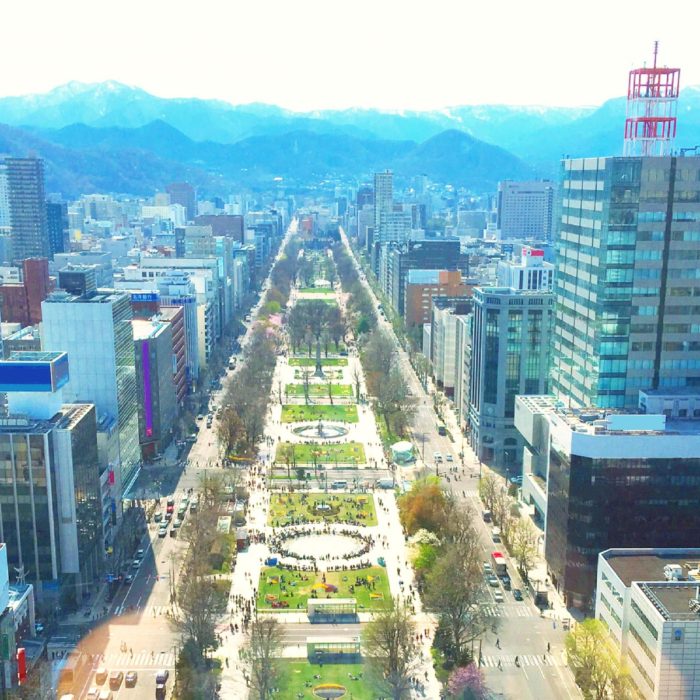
(644, 646)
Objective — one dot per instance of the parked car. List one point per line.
(517, 594)
(163, 531)
(450, 458)
(488, 569)
(505, 580)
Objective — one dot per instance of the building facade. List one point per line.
(628, 282)
(423, 285)
(95, 331)
(27, 199)
(628, 480)
(526, 209)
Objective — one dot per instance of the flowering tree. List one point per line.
(467, 683)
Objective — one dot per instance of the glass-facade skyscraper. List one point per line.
(95, 331)
(628, 279)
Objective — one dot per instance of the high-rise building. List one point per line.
(525, 209)
(95, 331)
(21, 302)
(57, 227)
(511, 333)
(50, 493)
(153, 350)
(628, 283)
(5, 224)
(598, 478)
(25, 190)
(184, 194)
(383, 199)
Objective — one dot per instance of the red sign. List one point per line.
(21, 664)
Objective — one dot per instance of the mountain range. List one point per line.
(112, 137)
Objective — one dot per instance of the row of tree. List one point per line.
(518, 534)
(447, 561)
(200, 603)
(360, 305)
(312, 321)
(386, 382)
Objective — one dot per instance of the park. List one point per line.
(291, 508)
(346, 453)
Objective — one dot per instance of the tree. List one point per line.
(523, 545)
(200, 605)
(329, 387)
(357, 379)
(229, 430)
(424, 507)
(286, 452)
(488, 487)
(261, 654)
(596, 664)
(454, 592)
(390, 640)
(467, 683)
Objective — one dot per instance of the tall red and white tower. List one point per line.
(652, 97)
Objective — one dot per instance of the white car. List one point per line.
(498, 596)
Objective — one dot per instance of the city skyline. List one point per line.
(314, 57)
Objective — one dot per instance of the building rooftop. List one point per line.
(101, 296)
(35, 355)
(673, 599)
(143, 330)
(648, 564)
(598, 421)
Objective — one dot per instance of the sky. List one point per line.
(308, 54)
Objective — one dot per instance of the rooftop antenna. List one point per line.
(652, 98)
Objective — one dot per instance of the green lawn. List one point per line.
(316, 290)
(342, 453)
(287, 507)
(325, 361)
(296, 675)
(296, 587)
(333, 374)
(344, 414)
(319, 390)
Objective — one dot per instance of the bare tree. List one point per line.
(488, 488)
(390, 640)
(357, 379)
(261, 654)
(329, 386)
(454, 592)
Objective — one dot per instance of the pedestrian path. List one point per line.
(523, 660)
(140, 659)
(510, 611)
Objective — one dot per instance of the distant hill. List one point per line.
(140, 160)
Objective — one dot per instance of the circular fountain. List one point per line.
(321, 431)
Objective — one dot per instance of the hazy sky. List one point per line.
(307, 54)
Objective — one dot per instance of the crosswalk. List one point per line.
(509, 611)
(523, 660)
(140, 659)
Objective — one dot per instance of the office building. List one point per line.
(431, 254)
(423, 285)
(627, 266)
(510, 350)
(597, 479)
(525, 209)
(229, 225)
(446, 341)
(102, 260)
(25, 191)
(78, 279)
(5, 225)
(383, 202)
(57, 227)
(175, 316)
(50, 493)
(184, 194)
(21, 301)
(648, 600)
(153, 350)
(95, 331)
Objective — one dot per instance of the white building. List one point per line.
(529, 274)
(526, 209)
(654, 621)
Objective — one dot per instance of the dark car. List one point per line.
(505, 580)
(131, 679)
(115, 680)
(517, 594)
